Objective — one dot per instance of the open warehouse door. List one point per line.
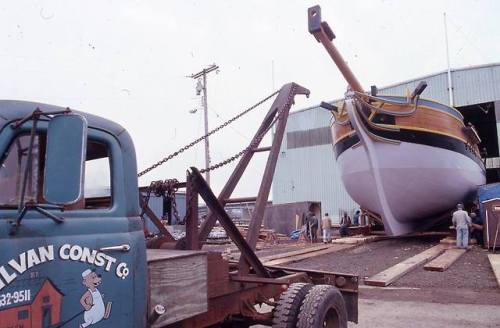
(484, 118)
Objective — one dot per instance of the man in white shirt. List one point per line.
(326, 224)
(462, 222)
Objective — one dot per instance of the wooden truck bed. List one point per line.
(177, 281)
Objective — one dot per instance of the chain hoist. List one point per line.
(168, 188)
(191, 144)
(256, 140)
(165, 189)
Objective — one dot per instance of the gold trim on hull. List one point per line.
(414, 117)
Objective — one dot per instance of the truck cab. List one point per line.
(71, 237)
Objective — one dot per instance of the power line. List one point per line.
(221, 118)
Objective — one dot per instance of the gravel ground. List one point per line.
(388, 314)
(368, 259)
(471, 271)
(432, 295)
(376, 313)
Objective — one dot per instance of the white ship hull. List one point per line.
(415, 182)
(408, 182)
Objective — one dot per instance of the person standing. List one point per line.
(307, 224)
(477, 229)
(462, 222)
(345, 222)
(327, 228)
(355, 218)
(313, 222)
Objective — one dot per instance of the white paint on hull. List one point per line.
(406, 183)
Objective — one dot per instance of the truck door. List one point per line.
(87, 270)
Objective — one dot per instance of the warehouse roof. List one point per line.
(471, 85)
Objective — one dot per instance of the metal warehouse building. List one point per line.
(306, 169)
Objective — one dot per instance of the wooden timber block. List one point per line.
(299, 257)
(445, 260)
(178, 281)
(357, 240)
(495, 265)
(292, 253)
(395, 272)
(453, 241)
(448, 240)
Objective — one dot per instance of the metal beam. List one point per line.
(155, 220)
(262, 149)
(232, 231)
(284, 102)
(235, 177)
(240, 200)
(192, 242)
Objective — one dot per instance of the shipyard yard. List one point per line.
(464, 295)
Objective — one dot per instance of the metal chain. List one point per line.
(241, 153)
(256, 141)
(164, 189)
(181, 150)
(175, 213)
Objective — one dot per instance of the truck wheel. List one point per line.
(323, 306)
(287, 310)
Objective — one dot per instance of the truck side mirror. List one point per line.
(65, 159)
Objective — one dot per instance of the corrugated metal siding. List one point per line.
(473, 85)
(180, 201)
(156, 205)
(437, 88)
(311, 174)
(308, 138)
(309, 119)
(476, 86)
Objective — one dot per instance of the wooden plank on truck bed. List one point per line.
(395, 272)
(445, 260)
(330, 249)
(178, 281)
(495, 265)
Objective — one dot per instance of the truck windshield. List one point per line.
(12, 169)
(97, 181)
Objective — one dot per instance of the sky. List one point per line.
(129, 61)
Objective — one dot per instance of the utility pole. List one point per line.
(201, 76)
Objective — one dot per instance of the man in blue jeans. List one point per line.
(462, 222)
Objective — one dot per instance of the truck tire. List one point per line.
(289, 303)
(323, 306)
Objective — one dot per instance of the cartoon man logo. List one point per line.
(92, 300)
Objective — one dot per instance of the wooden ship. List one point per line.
(404, 158)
